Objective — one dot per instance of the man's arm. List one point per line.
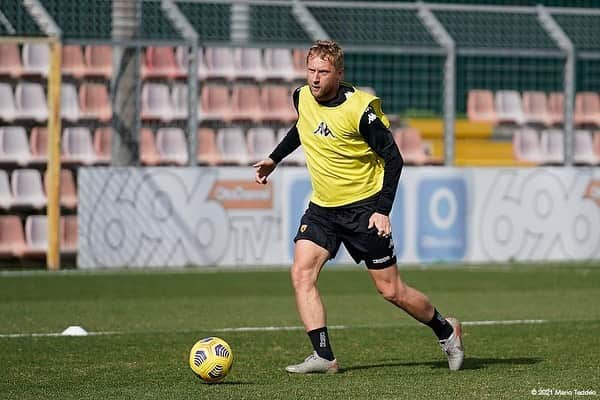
(380, 139)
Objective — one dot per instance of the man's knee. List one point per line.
(392, 291)
(303, 278)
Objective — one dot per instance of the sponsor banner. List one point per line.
(221, 217)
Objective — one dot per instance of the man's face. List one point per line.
(323, 78)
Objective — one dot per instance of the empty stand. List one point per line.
(583, 148)
(36, 59)
(14, 145)
(77, 146)
(172, 146)
(220, 63)
(30, 101)
(260, 142)
(535, 108)
(73, 62)
(94, 102)
(527, 146)
(98, 60)
(148, 152)
(207, 151)
(156, 102)
(587, 109)
(508, 106)
(8, 109)
(480, 106)
(27, 190)
(231, 143)
(69, 102)
(103, 144)
(215, 103)
(160, 62)
(10, 60)
(278, 104)
(5, 192)
(12, 238)
(245, 103)
(36, 235)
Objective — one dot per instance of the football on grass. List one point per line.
(211, 359)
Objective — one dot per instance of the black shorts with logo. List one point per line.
(328, 227)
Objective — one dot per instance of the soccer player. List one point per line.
(354, 166)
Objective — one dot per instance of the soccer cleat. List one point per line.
(453, 347)
(314, 364)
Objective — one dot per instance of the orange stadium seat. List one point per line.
(98, 60)
(480, 106)
(38, 144)
(73, 62)
(160, 62)
(12, 237)
(412, 149)
(245, 103)
(68, 234)
(587, 109)
(277, 103)
(68, 191)
(207, 151)
(148, 152)
(535, 108)
(215, 103)
(94, 102)
(103, 144)
(10, 60)
(556, 108)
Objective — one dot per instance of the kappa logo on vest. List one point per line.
(323, 130)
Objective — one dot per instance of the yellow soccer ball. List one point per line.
(211, 359)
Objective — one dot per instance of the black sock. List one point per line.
(440, 326)
(320, 342)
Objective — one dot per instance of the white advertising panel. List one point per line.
(219, 216)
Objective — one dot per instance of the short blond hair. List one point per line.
(327, 50)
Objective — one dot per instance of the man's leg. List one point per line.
(389, 283)
(309, 259)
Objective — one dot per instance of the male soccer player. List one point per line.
(354, 166)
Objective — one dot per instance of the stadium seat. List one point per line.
(5, 193)
(278, 104)
(160, 62)
(480, 106)
(68, 234)
(556, 108)
(69, 102)
(220, 63)
(156, 102)
(260, 142)
(38, 144)
(214, 104)
(36, 59)
(207, 152)
(597, 143)
(299, 57)
(98, 60)
(508, 107)
(94, 102)
(10, 60)
(103, 144)
(14, 145)
(397, 135)
(182, 59)
(249, 64)
(148, 152)
(587, 109)
(231, 143)
(12, 238)
(552, 144)
(412, 150)
(172, 146)
(8, 109)
(68, 190)
(535, 108)
(245, 104)
(279, 64)
(527, 146)
(297, 157)
(179, 101)
(27, 190)
(36, 236)
(583, 148)
(77, 146)
(73, 62)
(30, 101)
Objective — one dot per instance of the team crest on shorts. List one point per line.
(303, 228)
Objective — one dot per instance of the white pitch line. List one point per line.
(280, 328)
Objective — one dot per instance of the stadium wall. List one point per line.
(155, 217)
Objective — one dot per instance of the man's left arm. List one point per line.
(380, 139)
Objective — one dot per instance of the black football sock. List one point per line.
(320, 342)
(440, 326)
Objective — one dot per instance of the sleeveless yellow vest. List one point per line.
(342, 166)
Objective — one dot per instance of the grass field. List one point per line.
(149, 320)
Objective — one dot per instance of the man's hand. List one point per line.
(381, 223)
(263, 170)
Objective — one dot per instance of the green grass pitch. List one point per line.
(150, 320)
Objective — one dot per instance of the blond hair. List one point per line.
(327, 50)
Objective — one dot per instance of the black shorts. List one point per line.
(328, 227)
